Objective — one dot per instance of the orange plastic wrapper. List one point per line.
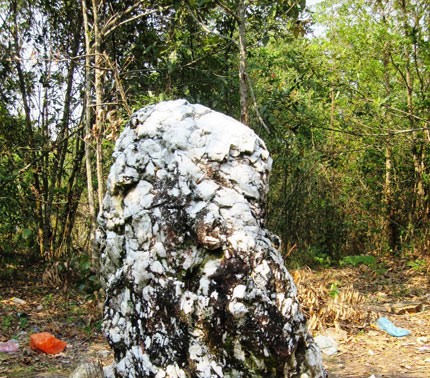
(47, 343)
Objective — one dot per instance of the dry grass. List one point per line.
(329, 302)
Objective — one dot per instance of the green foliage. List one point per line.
(93, 328)
(304, 203)
(334, 289)
(312, 257)
(346, 169)
(419, 265)
(358, 260)
(85, 277)
(16, 219)
(7, 322)
(23, 322)
(48, 299)
(347, 112)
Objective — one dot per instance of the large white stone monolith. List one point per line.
(195, 284)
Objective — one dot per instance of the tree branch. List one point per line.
(105, 32)
(254, 101)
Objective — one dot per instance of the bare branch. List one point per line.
(119, 85)
(396, 66)
(408, 114)
(257, 112)
(113, 23)
(114, 18)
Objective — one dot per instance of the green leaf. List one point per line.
(265, 40)
(358, 260)
(27, 233)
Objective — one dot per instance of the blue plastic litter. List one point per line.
(385, 325)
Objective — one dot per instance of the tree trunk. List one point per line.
(390, 224)
(62, 216)
(100, 116)
(243, 82)
(87, 125)
(74, 191)
(417, 148)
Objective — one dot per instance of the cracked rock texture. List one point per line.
(195, 285)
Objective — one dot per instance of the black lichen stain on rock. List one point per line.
(168, 332)
(230, 273)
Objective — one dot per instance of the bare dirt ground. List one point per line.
(398, 291)
(348, 300)
(373, 353)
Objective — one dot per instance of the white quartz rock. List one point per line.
(125, 140)
(225, 132)
(206, 189)
(177, 136)
(247, 178)
(194, 283)
(138, 198)
(237, 309)
(239, 292)
(227, 197)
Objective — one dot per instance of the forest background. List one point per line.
(339, 92)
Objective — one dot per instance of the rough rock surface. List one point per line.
(88, 370)
(195, 285)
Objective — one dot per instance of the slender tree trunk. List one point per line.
(417, 149)
(389, 224)
(100, 117)
(58, 172)
(87, 125)
(118, 83)
(45, 174)
(74, 191)
(332, 146)
(416, 146)
(243, 87)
